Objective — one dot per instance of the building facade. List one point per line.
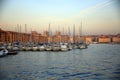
(12, 36)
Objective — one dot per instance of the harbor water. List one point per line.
(97, 62)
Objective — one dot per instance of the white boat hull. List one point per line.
(35, 48)
(28, 48)
(15, 48)
(64, 48)
(3, 52)
(56, 48)
(41, 48)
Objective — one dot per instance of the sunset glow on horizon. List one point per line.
(97, 16)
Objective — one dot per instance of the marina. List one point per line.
(98, 61)
(59, 40)
(12, 48)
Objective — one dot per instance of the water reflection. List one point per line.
(99, 61)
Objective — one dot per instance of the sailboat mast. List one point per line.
(43, 37)
(20, 33)
(31, 36)
(63, 33)
(68, 34)
(74, 33)
(49, 29)
(59, 35)
(48, 33)
(26, 32)
(69, 31)
(81, 29)
(18, 25)
(25, 28)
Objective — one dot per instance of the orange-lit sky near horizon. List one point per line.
(97, 16)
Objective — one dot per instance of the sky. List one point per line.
(96, 16)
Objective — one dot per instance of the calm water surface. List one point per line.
(98, 62)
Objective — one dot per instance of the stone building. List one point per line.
(116, 39)
(104, 39)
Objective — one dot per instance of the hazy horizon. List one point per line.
(97, 16)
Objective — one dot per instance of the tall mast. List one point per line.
(25, 28)
(74, 33)
(81, 29)
(69, 31)
(63, 30)
(30, 40)
(63, 34)
(20, 32)
(49, 29)
(26, 32)
(68, 34)
(51, 36)
(17, 32)
(81, 32)
(48, 33)
(43, 37)
(59, 35)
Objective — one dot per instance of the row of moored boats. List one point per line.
(13, 48)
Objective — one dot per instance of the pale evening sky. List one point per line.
(97, 16)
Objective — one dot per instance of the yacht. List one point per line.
(48, 47)
(56, 47)
(34, 46)
(82, 46)
(28, 48)
(63, 47)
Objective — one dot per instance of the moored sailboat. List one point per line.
(63, 47)
(42, 48)
(82, 44)
(34, 48)
(48, 47)
(56, 47)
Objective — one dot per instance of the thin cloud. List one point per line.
(89, 10)
(94, 8)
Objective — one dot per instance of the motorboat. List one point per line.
(56, 47)
(83, 46)
(48, 47)
(41, 48)
(64, 48)
(34, 48)
(23, 48)
(70, 47)
(15, 48)
(3, 52)
(28, 48)
(9, 47)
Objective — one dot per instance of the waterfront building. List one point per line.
(3, 36)
(58, 33)
(35, 36)
(64, 38)
(12, 36)
(89, 39)
(55, 39)
(104, 39)
(116, 39)
(80, 38)
(74, 39)
(50, 39)
(46, 33)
